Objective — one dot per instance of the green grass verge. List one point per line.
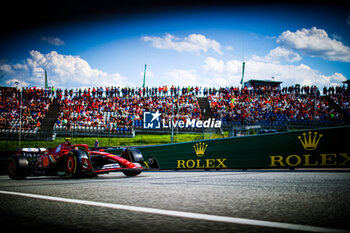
(139, 139)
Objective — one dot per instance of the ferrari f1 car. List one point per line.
(73, 161)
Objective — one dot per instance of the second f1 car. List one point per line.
(73, 161)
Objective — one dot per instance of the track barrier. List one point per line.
(317, 148)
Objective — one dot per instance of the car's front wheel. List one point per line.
(134, 156)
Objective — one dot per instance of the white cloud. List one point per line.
(213, 66)
(283, 54)
(181, 78)
(68, 71)
(191, 43)
(14, 82)
(229, 48)
(316, 43)
(278, 55)
(149, 74)
(229, 73)
(5, 68)
(63, 71)
(220, 73)
(53, 40)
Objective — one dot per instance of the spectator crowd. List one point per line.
(31, 106)
(114, 108)
(120, 112)
(266, 104)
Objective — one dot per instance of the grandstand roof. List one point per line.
(5, 88)
(257, 83)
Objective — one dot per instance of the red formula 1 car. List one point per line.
(73, 161)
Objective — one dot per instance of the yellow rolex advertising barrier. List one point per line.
(319, 148)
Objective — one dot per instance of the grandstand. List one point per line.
(23, 111)
(118, 112)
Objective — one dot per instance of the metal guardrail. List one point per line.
(37, 134)
(50, 135)
(94, 131)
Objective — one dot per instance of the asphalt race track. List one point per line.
(170, 201)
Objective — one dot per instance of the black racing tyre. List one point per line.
(153, 163)
(18, 168)
(135, 156)
(131, 173)
(73, 163)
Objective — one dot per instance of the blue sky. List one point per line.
(204, 47)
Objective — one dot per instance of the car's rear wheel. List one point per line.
(18, 168)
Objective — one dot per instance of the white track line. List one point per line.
(182, 214)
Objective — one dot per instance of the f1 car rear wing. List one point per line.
(35, 150)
